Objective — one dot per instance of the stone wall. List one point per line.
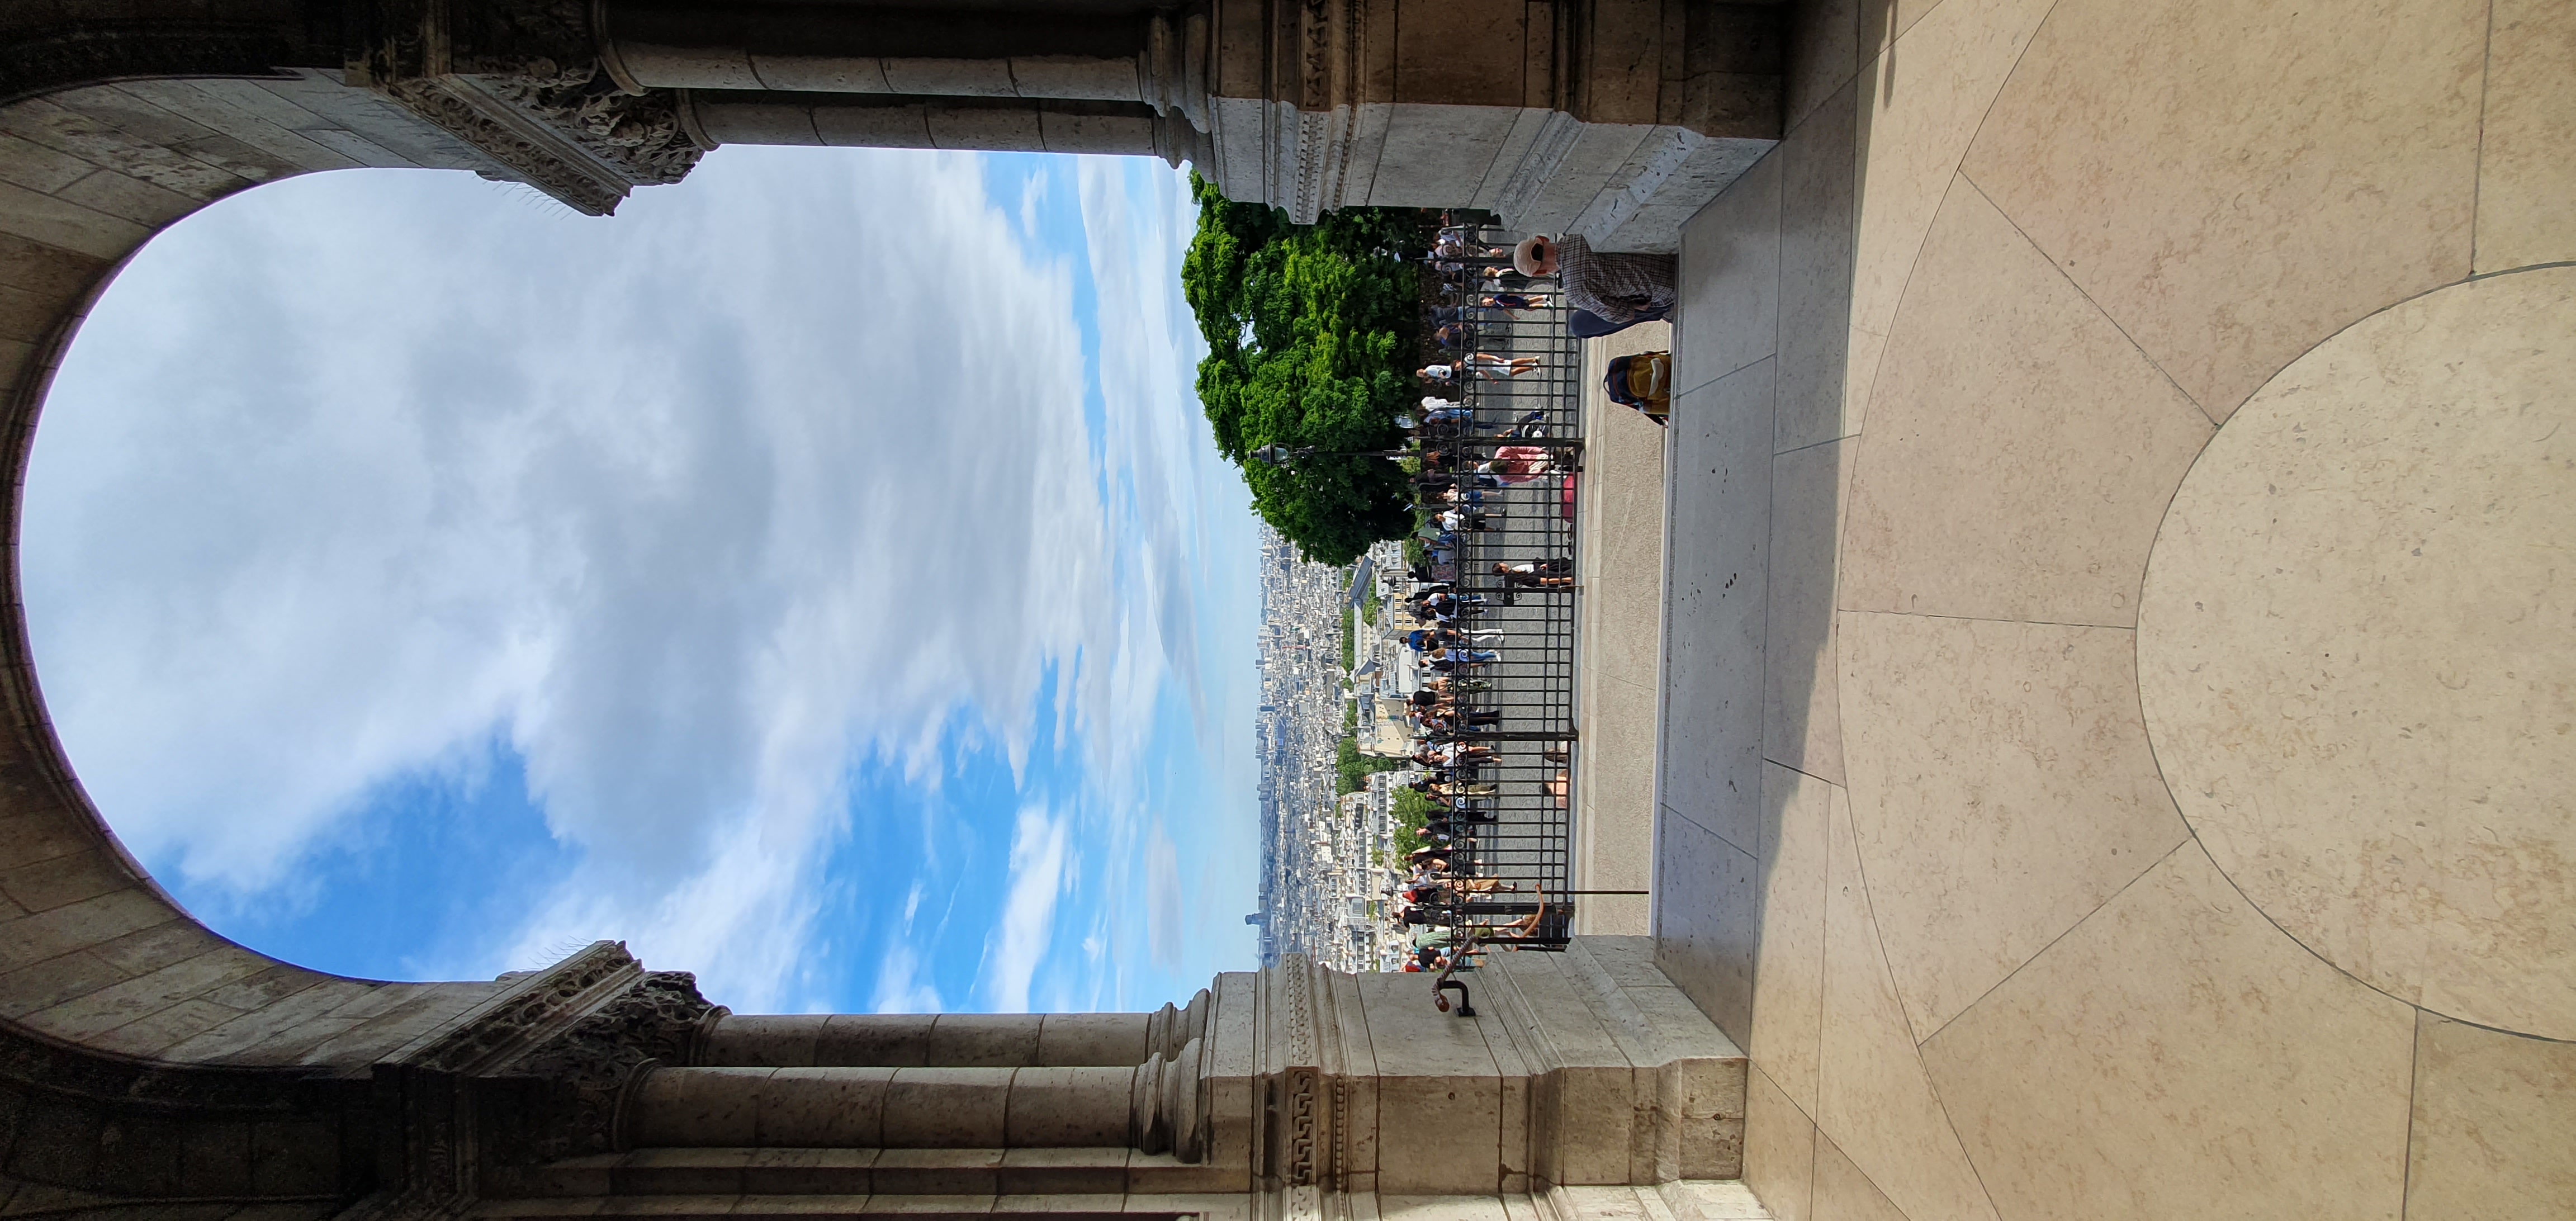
(145, 1060)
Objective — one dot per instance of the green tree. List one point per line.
(1310, 331)
(1354, 767)
(1412, 815)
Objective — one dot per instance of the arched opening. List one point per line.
(819, 572)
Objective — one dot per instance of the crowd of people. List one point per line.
(1477, 436)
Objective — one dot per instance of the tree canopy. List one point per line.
(1310, 332)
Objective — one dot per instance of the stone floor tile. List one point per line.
(1779, 1149)
(1718, 513)
(1824, 54)
(1873, 1097)
(1815, 274)
(2234, 180)
(1789, 959)
(2354, 661)
(2001, 787)
(1718, 1200)
(1730, 280)
(1843, 1193)
(1919, 106)
(1885, 21)
(1440, 1208)
(2494, 1117)
(1705, 913)
(2527, 142)
(1801, 717)
(2176, 1052)
(2020, 452)
(1621, 520)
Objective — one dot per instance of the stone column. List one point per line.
(948, 1040)
(1011, 125)
(1150, 1106)
(1033, 49)
(1616, 119)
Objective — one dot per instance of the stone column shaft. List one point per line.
(1149, 1106)
(953, 1040)
(949, 1040)
(1036, 51)
(1010, 125)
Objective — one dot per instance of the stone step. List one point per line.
(782, 1173)
(819, 1207)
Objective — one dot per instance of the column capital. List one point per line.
(526, 84)
(539, 1071)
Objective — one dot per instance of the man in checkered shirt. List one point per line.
(1617, 288)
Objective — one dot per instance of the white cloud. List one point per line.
(1164, 931)
(780, 469)
(899, 987)
(1027, 926)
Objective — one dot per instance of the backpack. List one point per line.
(1643, 381)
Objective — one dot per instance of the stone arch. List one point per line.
(145, 1060)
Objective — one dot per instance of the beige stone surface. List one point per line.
(2494, 1117)
(1715, 1200)
(1843, 1193)
(2063, 238)
(1779, 1149)
(1884, 21)
(1730, 273)
(1801, 712)
(2001, 787)
(1824, 54)
(1718, 515)
(1619, 649)
(1707, 944)
(1919, 106)
(2175, 1055)
(1815, 273)
(1873, 1097)
(1440, 1208)
(2020, 450)
(2527, 140)
(699, 1106)
(947, 1108)
(1789, 960)
(823, 1107)
(2234, 180)
(2355, 658)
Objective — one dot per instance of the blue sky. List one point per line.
(818, 576)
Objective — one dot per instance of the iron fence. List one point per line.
(1503, 465)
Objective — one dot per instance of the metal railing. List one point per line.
(1511, 564)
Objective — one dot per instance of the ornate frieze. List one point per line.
(524, 82)
(579, 1079)
(537, 1073)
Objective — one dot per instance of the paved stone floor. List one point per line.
(1620, 528)
(2118, 677)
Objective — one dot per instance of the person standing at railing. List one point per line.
(1517, 464)
(1617, 288)
(1485, 365)
(1442, 606)
(1536, 574)
(1451, 660)
(1453, 244)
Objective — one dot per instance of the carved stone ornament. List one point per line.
(568, 1093)
(523, 82)
(535, 1073)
